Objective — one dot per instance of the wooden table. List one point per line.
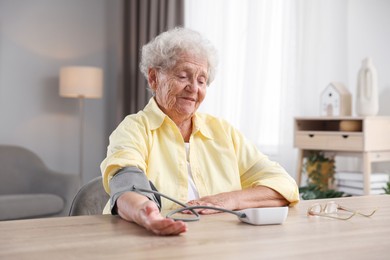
(219, 236)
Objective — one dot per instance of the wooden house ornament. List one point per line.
(336, 100)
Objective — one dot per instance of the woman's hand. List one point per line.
(256, 197)
(221, 200)
(136, 208)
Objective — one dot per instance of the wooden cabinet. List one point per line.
(367, 137)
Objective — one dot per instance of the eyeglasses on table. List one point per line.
(331, 208)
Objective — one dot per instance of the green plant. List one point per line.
(319, 170)
(312, 191)
(387, 189)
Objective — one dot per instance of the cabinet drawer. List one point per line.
(336, 142)
(345, 142)
(311, 141)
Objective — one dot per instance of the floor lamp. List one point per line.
(81, 82)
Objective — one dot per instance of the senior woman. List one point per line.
(191, 156)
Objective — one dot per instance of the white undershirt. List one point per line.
(192, 191)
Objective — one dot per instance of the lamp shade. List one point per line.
(79, 81)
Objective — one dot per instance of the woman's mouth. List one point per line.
(189, 99)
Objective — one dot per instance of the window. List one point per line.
(276, 57)
(247, 91)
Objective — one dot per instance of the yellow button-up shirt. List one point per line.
(221, 158)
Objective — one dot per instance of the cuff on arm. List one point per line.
(124, 180)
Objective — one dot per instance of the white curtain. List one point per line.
(269, 61)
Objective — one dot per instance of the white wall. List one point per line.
(346, 32)
(36, 39)
(323, 49)
(369, 36)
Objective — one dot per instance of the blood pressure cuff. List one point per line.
(124, 180)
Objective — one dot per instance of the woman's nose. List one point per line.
(192, 86)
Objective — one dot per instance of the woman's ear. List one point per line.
(152, 78)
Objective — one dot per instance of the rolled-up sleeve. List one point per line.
(272, 175)
(256, 169)
(127, 148)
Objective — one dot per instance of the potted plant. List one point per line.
(320, 171)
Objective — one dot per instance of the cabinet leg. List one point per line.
(299, 167)
(366, 173)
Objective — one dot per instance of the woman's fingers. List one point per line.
(202, 203)
(168, 227)
(155, 222)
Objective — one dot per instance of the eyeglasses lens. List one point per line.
(316, 209)
(331, 207)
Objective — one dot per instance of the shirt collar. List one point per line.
(157, 117)
(155, 114)
(199, 125)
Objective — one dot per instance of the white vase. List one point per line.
(367, 98)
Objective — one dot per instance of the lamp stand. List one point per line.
(81, 108)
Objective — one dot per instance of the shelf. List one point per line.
(326, 125)
(367, 137)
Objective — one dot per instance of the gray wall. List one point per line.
(37, 38)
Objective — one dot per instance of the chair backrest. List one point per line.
(90, 199)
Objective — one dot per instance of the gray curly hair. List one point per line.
(164, 50)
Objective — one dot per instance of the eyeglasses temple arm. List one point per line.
(330, 216)
(357, 212)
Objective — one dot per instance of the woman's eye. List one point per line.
(182, 76)
(202, 81)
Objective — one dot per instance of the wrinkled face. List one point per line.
(180, 90)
